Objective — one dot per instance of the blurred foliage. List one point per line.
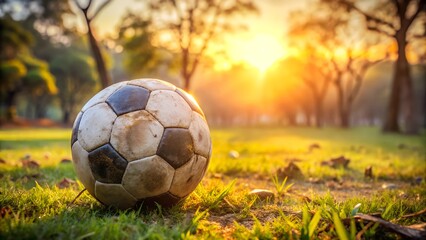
(135, 35)
(74, 70)
(13, 37)
(46, 15)
(39, 48)
(21, 72)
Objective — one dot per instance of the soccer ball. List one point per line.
(142, 141)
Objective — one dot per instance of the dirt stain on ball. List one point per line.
(154, 180)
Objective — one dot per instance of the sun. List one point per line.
(260, 51)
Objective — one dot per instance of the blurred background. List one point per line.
(316, 63)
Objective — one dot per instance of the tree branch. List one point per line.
(379, 30)
(370, 17)
(420, 7)
(359, 77)
(104, 4)
(206, 40)
(84, 9)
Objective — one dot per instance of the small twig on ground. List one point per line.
(230, 204)
(399, 229)
(421, 212)
(360, 233)
(79, 194)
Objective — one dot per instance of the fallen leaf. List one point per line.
(65, 183)
(314, 146)
(28, 163)
(65, 160)
(368, 172)
(292, 171)
(340, 161)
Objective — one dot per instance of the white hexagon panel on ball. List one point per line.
(169, 108)
(95, 126)
(136, 135)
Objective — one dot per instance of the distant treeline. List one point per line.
(343, 75)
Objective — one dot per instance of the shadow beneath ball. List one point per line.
(163, 201)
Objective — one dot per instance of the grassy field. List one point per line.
(315, 204)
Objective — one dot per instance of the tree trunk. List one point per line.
(187, 83)
(342, 110)
(308, 119)
(41, 104)
(401, 80)
(345, 118)
(10, 105)
(410, 122)
(391, 121)
(424, 97)
(319, 121)
(65, 116)
(97, 55)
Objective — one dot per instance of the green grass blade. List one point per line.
(353, 229)
(222, 194)
(340, 229)
(314, 223)
(305, 217)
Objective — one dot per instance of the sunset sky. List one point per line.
(260, 45)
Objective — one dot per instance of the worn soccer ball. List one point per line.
(142, 141)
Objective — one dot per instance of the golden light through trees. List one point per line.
(260, 51)
(274, 60)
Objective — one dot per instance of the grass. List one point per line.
(314, 206)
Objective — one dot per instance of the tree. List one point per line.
(394, 19)
(316, 35)
(45, 17)
(20, 71)
(96, 51)
(194, 25)
(25, 74)
(317, 79)
(348, 78)
(135, 36)
(75, 79)
(329, 32)
(285, 93)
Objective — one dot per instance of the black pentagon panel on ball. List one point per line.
(128, 99)
(75, 129)
(176, 146)
(106, 164)
(191, 102)
(166, 200)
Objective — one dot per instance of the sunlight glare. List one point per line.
(260, 51)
